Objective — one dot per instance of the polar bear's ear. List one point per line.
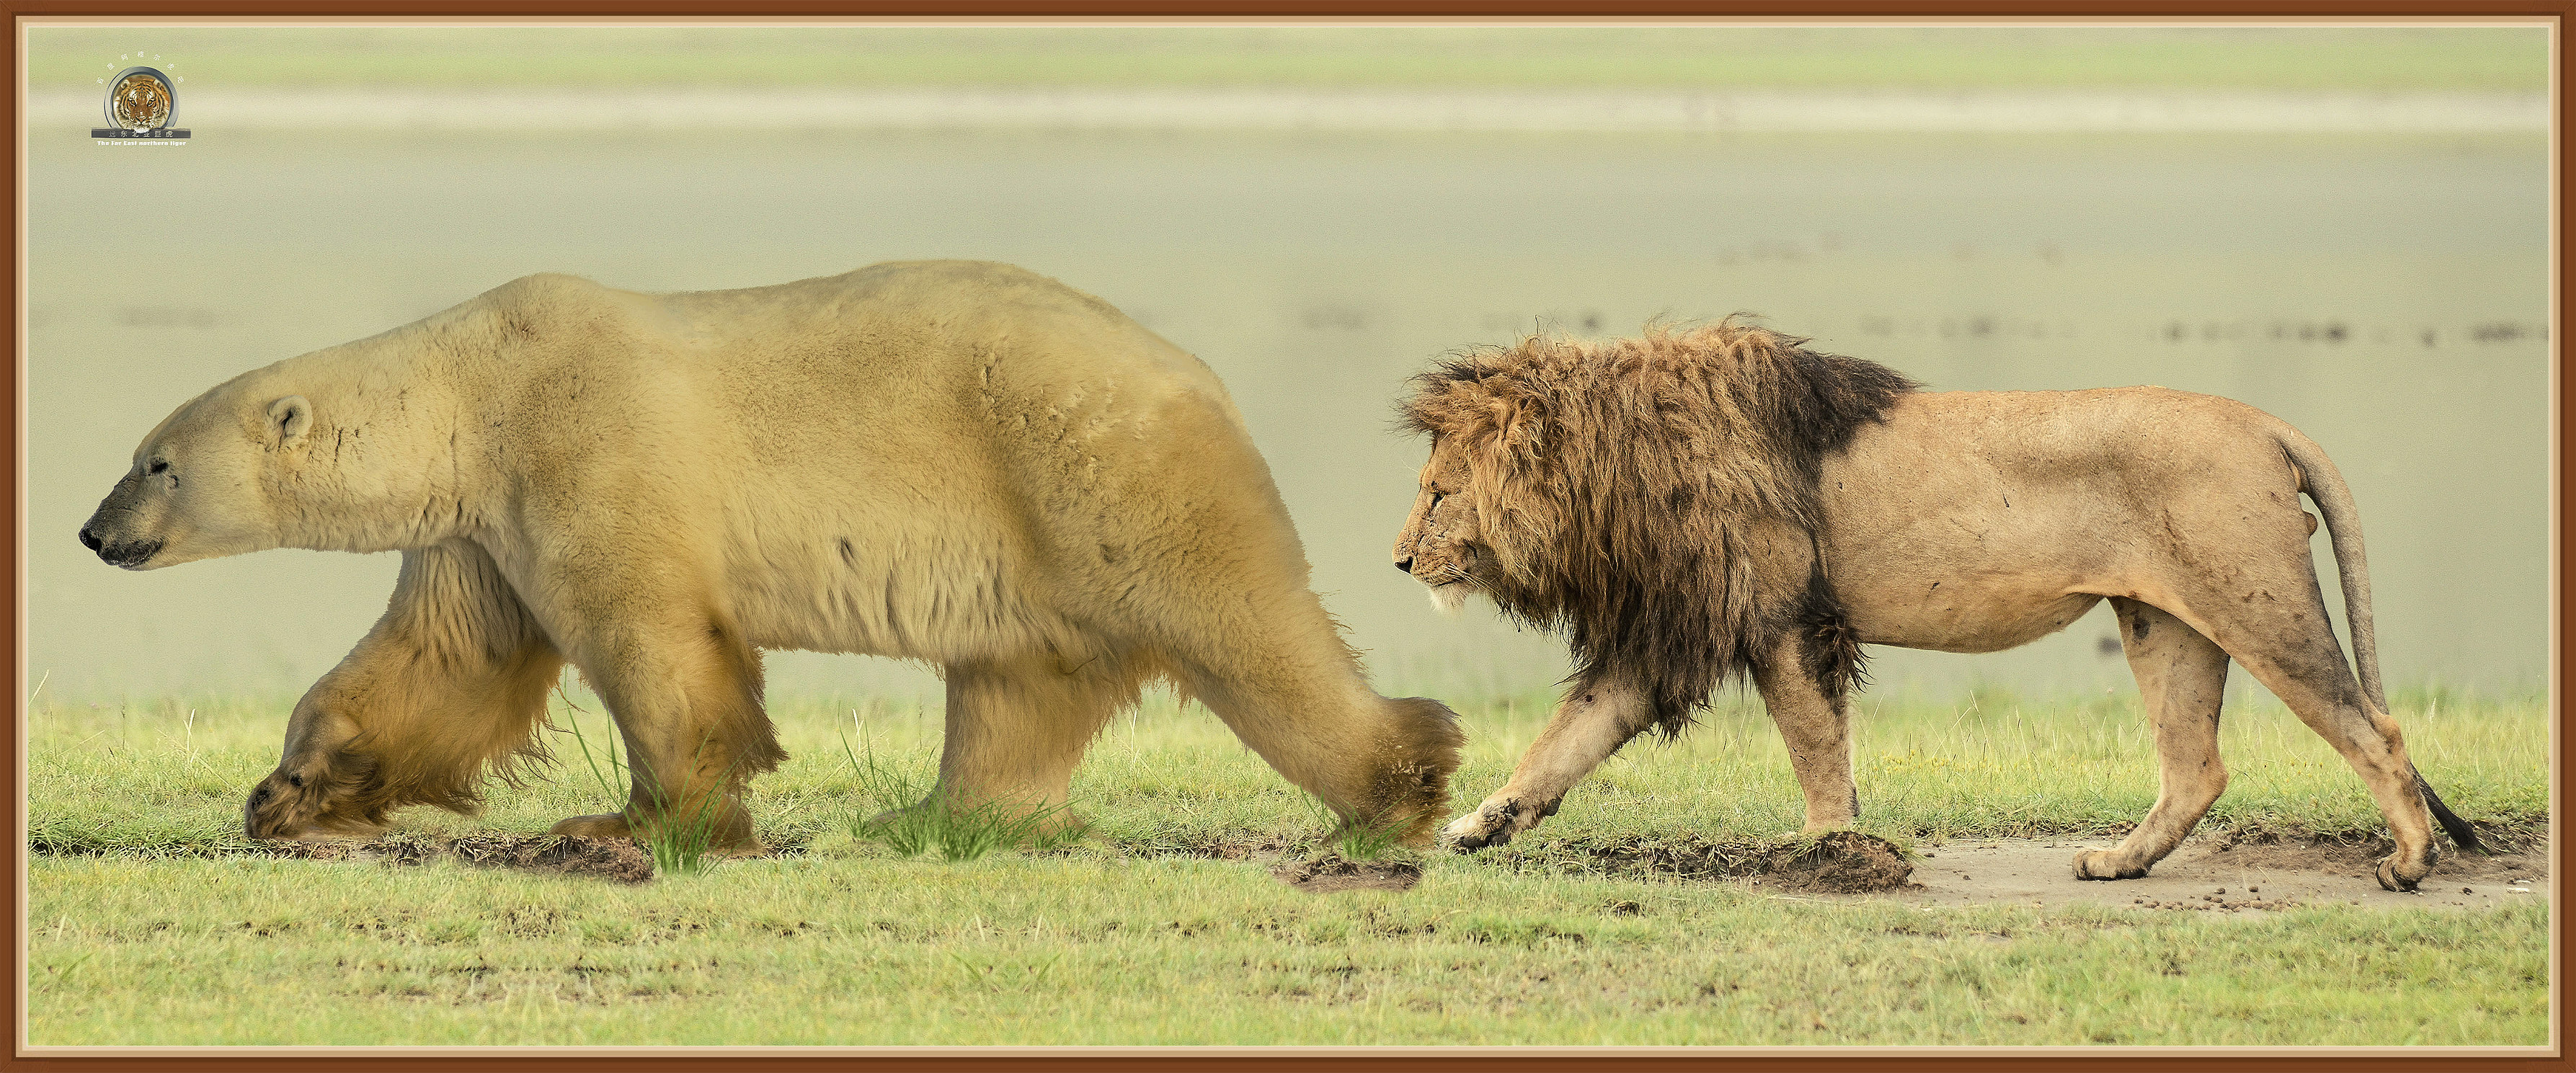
(288, 418)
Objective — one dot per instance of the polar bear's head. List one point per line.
(205, 482)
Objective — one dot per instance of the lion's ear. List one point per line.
(288, 420)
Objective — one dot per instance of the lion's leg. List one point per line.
(2182, 678)
(1590, 725)
(1817, 729)
(1017, 728)
(686, 698)
(2309, 674)
(2270, 616)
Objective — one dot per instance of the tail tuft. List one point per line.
(2461, 831)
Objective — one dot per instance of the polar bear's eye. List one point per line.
(159, 466)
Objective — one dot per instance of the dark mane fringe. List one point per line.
(1656, 498)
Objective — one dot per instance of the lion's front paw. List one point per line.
(2396, 877)
(2104, 864)
(1492, 824)
(604, 825)
(1476, 830)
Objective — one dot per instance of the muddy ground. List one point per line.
(2208, 874)
(2214, 874)
(615, 859)
(2211, 874)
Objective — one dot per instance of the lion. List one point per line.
(955, 462)
(1720, 503)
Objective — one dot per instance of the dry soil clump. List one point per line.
(617, 859)
(1844, 862)
(1332, 872)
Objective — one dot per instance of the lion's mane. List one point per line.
(1655, 499)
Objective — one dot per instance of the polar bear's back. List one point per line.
(955, 419)
(943, 322)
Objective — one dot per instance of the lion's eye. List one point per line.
(159, 466)
(296, 781)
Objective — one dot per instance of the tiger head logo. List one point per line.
(140, 99)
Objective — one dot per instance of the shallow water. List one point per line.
(2385, 294)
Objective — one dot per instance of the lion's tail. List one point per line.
(2323, 483)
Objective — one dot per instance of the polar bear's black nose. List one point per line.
(88, 539)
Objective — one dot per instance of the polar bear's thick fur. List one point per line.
(957, 462)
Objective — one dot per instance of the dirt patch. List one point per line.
(1332, 872)
(1843, 862)
(1300, 863)
(2219, 874)
(2498, 838)
(1234, 846)
(2228, 871)
(616, 859)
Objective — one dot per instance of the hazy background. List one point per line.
(2345, 227)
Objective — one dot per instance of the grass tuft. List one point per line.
(680, 845)
(1354, 838)
(909, 820)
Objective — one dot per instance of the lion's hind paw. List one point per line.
(2103, 864)
(2394, 878)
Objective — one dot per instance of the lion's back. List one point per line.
(2035, 479)
(2056, 435)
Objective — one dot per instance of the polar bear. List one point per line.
(957, 462)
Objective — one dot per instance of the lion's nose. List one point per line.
(89, 539)
(1405, 564)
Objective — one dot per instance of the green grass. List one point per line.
(1961, 57)
(824, 949)
(894, 810)
(148, 925)
(153, 778)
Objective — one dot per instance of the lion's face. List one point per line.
(1440, 545)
